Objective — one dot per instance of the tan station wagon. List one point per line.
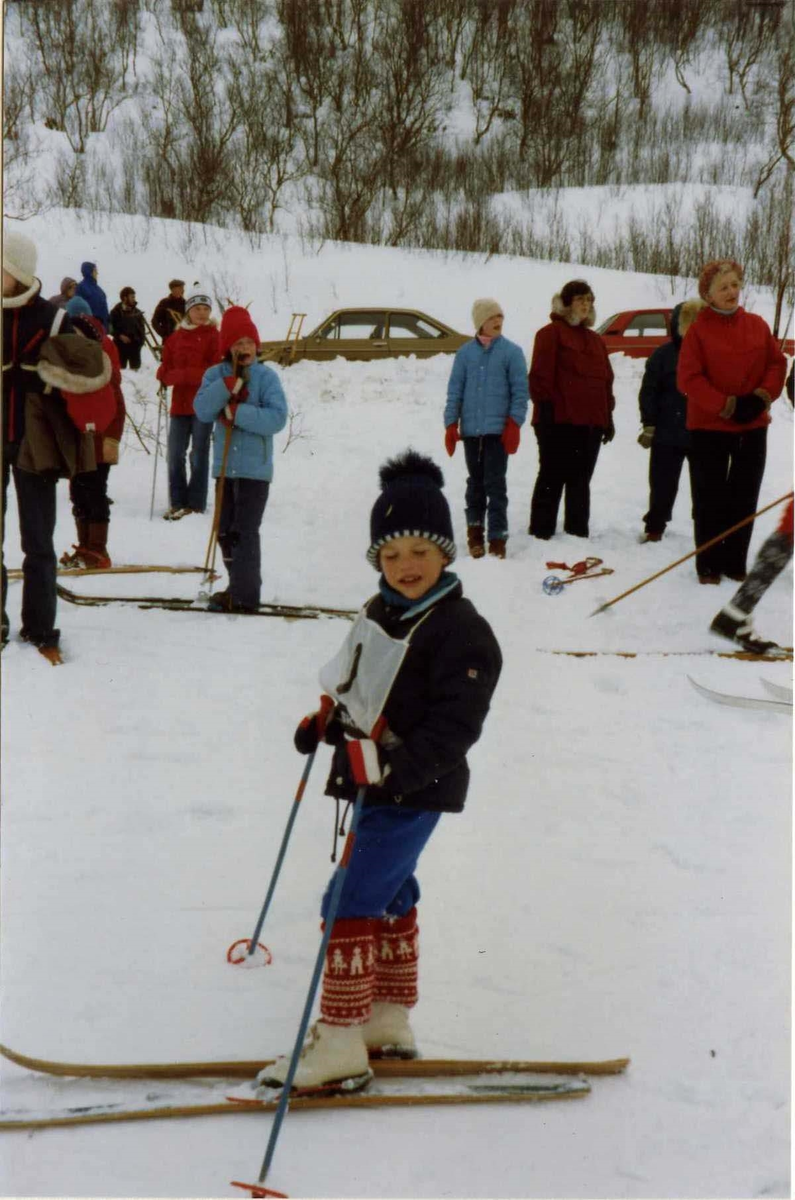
(365, 334)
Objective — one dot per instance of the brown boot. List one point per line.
(74, 557)
(497, 547)
(475, 542)
(96, 552)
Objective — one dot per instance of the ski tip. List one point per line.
(257, 1189)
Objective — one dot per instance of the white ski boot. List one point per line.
(333, 1058)
(388, 1034)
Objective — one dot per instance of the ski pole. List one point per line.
(209, 561)
(745, 521)
(331, 916)
(161, 396)
(252, 945)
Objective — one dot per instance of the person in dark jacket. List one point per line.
(571, 386)
(93, 294)
(28, 321)
(663, 411)
(405, 699)
(68, 289)
(732, 370)
(170, 310)
(127, 329)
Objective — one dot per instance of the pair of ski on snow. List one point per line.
(93, 1094)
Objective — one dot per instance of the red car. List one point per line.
(639, 331)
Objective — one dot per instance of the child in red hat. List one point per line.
(245, 400)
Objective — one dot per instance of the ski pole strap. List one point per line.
(578, 568)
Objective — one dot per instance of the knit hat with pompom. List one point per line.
(411, 504)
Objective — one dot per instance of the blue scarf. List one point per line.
(444, 584)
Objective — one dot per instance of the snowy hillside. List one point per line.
(619, 883)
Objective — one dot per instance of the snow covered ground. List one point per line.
(619, 883)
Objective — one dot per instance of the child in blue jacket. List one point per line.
(487, 401)
(246, 401)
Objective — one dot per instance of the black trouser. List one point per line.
(129, 354)
(665, 469)
(36, 507)
(242, 506)
(726, 472)
(567, 456)
(88, 492)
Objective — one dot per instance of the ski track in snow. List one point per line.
(619, 880)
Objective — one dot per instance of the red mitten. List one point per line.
(234, 385)
(510, 436)
(364, 762)
(451, 436)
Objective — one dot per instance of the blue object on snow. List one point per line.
(552, 585)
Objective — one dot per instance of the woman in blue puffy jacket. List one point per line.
(246, 401)
(487, 400)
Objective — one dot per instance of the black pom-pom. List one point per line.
(410, 463)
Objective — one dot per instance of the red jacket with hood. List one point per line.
(727, 355)
(571, 368)
(187, 354)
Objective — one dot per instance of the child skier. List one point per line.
(486, 406)
(405, 699)
(246, 401)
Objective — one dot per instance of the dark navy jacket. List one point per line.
(93, 294)
(436, 707)
(661, 403)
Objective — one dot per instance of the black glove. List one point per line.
(609, 433)
(545, 411)
(747, 407)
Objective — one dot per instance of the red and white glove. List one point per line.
(364, 762)
(312, 728)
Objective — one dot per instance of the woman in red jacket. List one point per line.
(571, 386)
(189, 351)
(731, 371)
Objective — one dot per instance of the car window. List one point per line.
(355, 325)
(603, 328)
(409, 325)
(647, 325)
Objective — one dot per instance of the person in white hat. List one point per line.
(28, 320)
(486, 407)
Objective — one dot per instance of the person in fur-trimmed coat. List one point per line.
(187, 354)
(88, 490)
(731, 370)
(571, 386)
(663, 412)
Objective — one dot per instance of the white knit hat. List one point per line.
(483, 309)
(19, 257)
(197, 296)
